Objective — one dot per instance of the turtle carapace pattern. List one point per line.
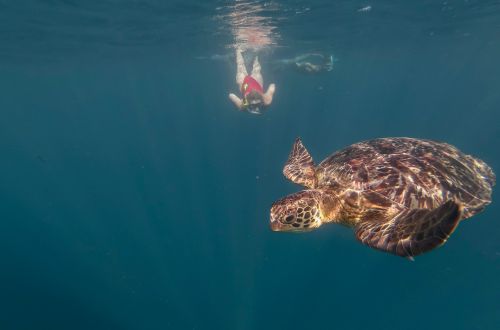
(401, 195)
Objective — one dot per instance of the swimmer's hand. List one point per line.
(236, 100)
(268, 96)
(329, 63)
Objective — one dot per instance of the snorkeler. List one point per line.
(309, 63)
(251, 86)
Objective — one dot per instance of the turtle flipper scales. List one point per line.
(412, 231)
(299, 167)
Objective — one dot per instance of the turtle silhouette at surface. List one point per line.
(404, 196)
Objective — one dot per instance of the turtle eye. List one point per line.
(289, 219)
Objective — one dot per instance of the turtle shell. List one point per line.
(413, 173)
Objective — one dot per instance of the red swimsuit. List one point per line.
(249, 85)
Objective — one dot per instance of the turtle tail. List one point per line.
(486, 179)
(487, 172)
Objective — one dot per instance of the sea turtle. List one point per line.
(402, 195)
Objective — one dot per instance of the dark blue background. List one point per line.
(134, 196)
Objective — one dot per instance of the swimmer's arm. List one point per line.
(268, 96)
(236, 100)
(301, 57)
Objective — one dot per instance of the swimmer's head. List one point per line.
(253, 101)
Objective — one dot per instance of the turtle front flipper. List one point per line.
(412, 231)
(299, 167)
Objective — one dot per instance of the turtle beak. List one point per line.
(275, 224)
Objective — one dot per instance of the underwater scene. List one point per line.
(239, 164)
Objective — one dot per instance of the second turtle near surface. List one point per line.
(403, 196)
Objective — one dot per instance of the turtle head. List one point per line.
(298, 212)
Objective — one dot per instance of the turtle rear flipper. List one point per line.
(299, 167)
(413, 231)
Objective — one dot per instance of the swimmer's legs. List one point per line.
(256, 71)
(241, 70)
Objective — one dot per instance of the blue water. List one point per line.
(135, 196)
